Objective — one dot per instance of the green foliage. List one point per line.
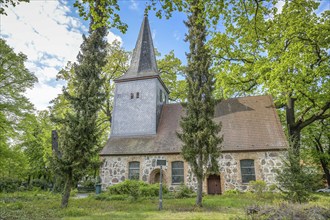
(282, 54)
(87, 183)
(79, 132)
(151, 190)
(183, 191)
(125, 187)
(136, 189)
(316, 146)
(15, 78)
(44, 205)
(296, 180)
(171, 69)
(39, 183)
(258, 187)
(90, 9)
(201, 143)
(5, 3)
(9, 184)
(35, 142)
(166, 8)
(232, 192)
(107, 197)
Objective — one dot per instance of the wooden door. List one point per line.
(213, 184)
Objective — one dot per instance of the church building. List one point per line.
(144, 126)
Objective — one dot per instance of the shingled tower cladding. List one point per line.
(140, 92)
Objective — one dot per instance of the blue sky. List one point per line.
(49, 33)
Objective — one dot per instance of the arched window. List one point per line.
(177, 172)
(134, 170)
(247, 171)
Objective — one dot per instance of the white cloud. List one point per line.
(279, 5)
(134, 5)
(42, 94)
(49, 36)
(112, 37)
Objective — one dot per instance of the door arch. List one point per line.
(213, 184)
(155, 176)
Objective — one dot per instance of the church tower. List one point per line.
(139, 93)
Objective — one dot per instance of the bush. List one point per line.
(295, 180)
(39, 183)
(258, 187)
(232, 192)
(74, 192)
(89, 183)
(183, 192)
(136, 189)
(126, 187)
(9, 184)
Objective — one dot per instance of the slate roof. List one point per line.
(143, 63)
(248, 124)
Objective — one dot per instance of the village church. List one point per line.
(144, 126)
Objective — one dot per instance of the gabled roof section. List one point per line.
(143, 63)
(248, 124)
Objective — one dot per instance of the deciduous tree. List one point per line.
(262, 50)
(172, 73)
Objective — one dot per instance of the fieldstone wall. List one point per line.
(115, 169)
(265, 164)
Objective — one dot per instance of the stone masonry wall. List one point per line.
(115, 169)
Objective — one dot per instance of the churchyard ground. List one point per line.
(46, 205)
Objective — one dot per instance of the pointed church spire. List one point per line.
(143, 61)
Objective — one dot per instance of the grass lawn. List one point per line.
(45, 205)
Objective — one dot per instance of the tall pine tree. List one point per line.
(79, 134)
(201, 143)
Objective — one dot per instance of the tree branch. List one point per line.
(320, 115)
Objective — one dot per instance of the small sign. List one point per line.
(161, 162)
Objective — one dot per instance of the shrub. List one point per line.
(232, 192)
(39, 183)
(88, 183)
(258, 187)
(183, 191)
(74, 192)
(9, 184)
(125, 187)
(135, 189)
(295, 180)
(272, 188)
(149, 191)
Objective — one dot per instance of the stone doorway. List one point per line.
(213, 184)
(155, 176)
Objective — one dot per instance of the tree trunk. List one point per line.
(199, 197)
(326, 172)
(320, 150)
(293, 130)
(67, 190)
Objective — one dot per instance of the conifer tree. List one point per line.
(201, 143)
(79, 132)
